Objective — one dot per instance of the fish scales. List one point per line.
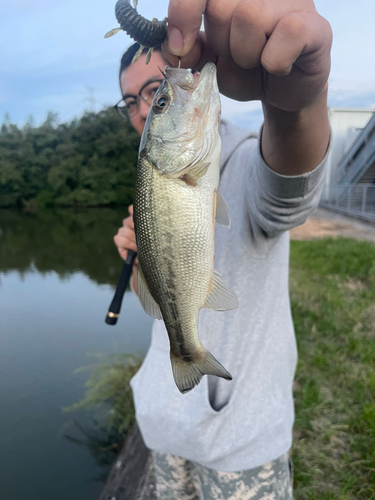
(173, 244)
(175, 203)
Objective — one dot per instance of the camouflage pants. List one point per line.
(181, 479)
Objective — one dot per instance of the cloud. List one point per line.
(351, 93)
(64, 35)
(51, 50)
(247, 115)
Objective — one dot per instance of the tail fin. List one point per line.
(188, 374)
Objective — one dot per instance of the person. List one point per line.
(231, 440)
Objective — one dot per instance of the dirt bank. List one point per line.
(325, 223)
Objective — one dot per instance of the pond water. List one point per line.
(58, 272)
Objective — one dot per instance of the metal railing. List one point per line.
(353, 199)
(360, 156)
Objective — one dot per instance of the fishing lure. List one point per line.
(149, 34)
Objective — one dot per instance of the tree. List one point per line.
(87, 162)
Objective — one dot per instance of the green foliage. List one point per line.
(332, 285)
(109, 385)
(85, 163)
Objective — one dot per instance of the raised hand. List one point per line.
(125, 237)
(276, 51)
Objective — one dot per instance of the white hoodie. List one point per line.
(246, 422)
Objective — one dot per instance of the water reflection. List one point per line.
(57, 271)
(63, 241)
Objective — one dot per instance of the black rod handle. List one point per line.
(115, 307)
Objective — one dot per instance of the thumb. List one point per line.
(184, 22)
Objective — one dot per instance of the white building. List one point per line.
(346, 125)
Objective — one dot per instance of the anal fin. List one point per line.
(221, 297)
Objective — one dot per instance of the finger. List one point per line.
(229, 74)
(200, 54)
(295, 34)
(126, 232)
(123, 253)
(125, 243)
(217, 22)
(130, 209)
(248, 33)
(184, 22)
(121, 241)
(128, 222)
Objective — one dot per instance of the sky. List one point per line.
(53, 57)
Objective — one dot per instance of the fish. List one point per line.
(149, 34)
(176, 203)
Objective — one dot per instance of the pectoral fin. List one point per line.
(191, 174)
(196, 172)
(221, 297)
(148, 302)
(222, 212)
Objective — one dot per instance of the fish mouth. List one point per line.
(208, 76)
(199, 88)
(187, 80)
(206, 94)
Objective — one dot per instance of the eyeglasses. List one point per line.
(128, 106)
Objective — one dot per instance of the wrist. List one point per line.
(282, 120)
(295, 142)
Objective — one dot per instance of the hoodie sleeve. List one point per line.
(276, 202)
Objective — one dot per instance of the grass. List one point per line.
(332, 284)
(108, 387)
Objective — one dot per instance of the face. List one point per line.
(133, 79)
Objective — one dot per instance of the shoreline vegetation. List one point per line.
(88, 162)
(332, 285)
(109, 386)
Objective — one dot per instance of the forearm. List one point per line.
(294, 143)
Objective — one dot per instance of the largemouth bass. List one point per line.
(175, 205)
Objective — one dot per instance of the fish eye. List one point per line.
(161, 103)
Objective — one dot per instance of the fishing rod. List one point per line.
(115, 307)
